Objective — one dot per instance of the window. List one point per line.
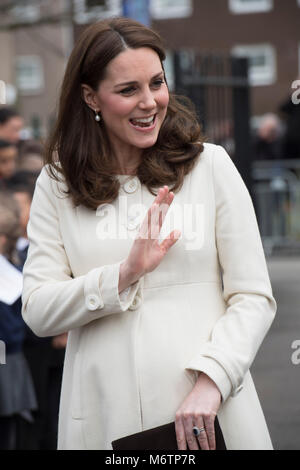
(250, 6)
(25, 12)
(262, 62)
(161, 9)
(29, 74)
(88, 11)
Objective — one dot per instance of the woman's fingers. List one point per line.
(199, 410)
(186, 439)
(161, 194)
(202, 438)
(188, 430)
(146, 223)
(164, 201)
(152, 223)
(180, 434)
(210, 432)
(168, 242)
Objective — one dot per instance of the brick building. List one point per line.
(266, 31)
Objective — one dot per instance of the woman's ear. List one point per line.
(88, 95)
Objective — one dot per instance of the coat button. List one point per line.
(131, 185)
(92, 302)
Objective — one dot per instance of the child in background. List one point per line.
(17, 395)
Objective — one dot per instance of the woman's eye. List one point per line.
(128, 90)
(132, 89)
(158, 83)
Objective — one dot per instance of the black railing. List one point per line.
(219, 89)
(276, 190)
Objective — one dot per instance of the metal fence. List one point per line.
(276, 194)
(219, 88)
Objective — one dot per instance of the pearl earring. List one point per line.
(97, 117)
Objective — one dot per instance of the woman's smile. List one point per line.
(143, 124)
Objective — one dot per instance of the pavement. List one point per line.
(276, 377)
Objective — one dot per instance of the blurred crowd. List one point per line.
(273, 136)
(31, 371)
(277, 137)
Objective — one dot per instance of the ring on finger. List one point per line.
(197, 431)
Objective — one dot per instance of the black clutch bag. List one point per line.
(160, 438)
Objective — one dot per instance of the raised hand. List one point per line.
(146, 252)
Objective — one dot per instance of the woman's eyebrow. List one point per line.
(135, 82)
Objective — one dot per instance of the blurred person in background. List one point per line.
(17, 394)
(8, 161)
(21, 185)
(268, 140)
(222, 134)
(21, 176)
(45, 356)
(31, 156)
(11, 124)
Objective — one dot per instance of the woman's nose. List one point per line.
(147, 100)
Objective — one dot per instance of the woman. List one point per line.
(135, 279)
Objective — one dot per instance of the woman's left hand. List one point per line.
(199, 409)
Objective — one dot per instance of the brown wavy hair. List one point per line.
(79, 148)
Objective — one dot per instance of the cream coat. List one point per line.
(132, 359)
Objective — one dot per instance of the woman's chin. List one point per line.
(145, 142)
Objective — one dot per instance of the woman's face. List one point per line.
(133, 98)
(8, 159)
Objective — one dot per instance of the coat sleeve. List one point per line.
(250, 306)
(53, 301)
